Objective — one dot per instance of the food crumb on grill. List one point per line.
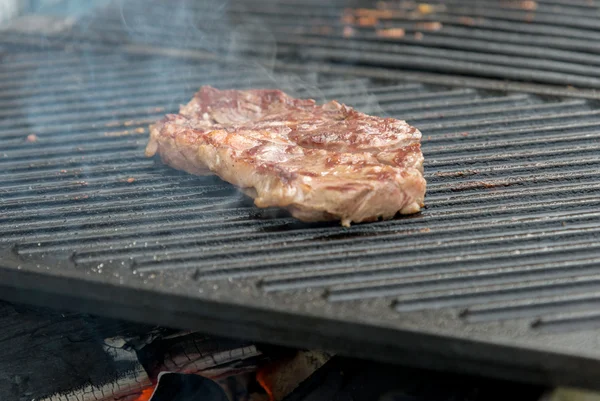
(31, 138)
(528, 5)
(130, 180)
(347, 19)
(348, 31)
(367, 21)
(429, 26)
(391, 33)
(370, 12)
(139, 130)
(466, 20)
(418, 36)
(425, 8)
(463, 173)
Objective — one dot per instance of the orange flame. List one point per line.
(146, 394)
(261, 379)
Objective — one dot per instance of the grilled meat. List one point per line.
(326, 162)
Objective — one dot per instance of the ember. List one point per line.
(146, 394)
(280, 378)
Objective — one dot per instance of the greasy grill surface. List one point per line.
(499, 274)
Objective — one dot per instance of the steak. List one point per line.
(320, 162)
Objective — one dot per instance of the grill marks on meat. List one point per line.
(326, 162)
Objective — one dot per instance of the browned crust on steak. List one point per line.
(319, 162)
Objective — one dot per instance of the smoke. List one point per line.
(241, 36)
(9, 9)
(112, 67)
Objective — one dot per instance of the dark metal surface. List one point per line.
(358, 380)
(542, 41)
(498, 275)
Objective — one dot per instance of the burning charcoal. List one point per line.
(198, 354)
(242, 387)
(281, 377)
(126, 384)
(178, 387)
(49, 355)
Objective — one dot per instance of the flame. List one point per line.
(146, 394)
(261, 379)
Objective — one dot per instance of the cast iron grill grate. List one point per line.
(541, 41)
